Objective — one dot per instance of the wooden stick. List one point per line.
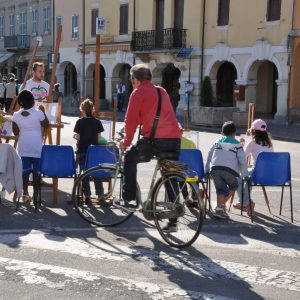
(97, 76)
(14, 106)
(54, 64)
(29, 69)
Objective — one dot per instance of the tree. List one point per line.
(206, 93)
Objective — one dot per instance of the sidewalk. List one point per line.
(278, 131)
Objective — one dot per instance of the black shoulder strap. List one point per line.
(154, 126)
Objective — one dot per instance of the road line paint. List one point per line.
(40, 274)
(204, 267)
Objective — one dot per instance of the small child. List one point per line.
(87, 131)
(226, 160)
(261, 142)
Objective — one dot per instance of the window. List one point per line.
(46, 19)
(11, 24)
(34, 21)
(223, 12)
(178, 14)
(1, 26)
(124, 19)
(274, 8)
(93, 25)
(23, 25)
(75, 28)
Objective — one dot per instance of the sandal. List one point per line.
(26, 198)
(238, 206)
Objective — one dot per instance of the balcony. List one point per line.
(164, 39)
(16, 42)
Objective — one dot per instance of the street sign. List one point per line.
(100, 25)
(185, 52)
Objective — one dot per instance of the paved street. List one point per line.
(57, 255)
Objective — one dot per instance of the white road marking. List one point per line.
(200, 266)
(36, 273)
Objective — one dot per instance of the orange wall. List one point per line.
(295, 76)
(297, 14)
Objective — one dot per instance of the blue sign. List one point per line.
(185, 52)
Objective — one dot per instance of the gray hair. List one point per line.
(141, 72)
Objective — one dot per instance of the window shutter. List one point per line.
(124, 19)
(274, 10)
(223, 12)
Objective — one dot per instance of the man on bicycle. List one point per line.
(142, 108)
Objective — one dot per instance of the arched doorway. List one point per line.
(122, 73)
(170, 81)
(70, 80)
(266, 89)
(90, 84)
(226, 77)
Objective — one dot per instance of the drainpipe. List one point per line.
(134, 14)
(290, 62)
(83, 50)
(53, 25)
(202, 39)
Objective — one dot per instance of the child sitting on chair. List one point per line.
(261, 142)
(226, 160)
(27, 124)
(88, 132)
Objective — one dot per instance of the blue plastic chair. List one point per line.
(57, 161)
(272, 169)
(97, 155)
(194, 160)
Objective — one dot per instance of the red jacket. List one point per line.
(141, 110)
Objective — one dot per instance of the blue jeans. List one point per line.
(246, 191)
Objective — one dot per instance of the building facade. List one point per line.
(239, 44)
(294, 59)
(21, 24)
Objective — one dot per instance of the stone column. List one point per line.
(250, 93)
(282, 94)
(110, 88)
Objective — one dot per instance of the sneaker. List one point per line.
(170, 227)
(220, 213)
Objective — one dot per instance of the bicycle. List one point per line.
(174, 194)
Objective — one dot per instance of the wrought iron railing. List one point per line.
(17, 41)
(169, 38)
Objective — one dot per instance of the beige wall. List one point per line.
(247, 24)
(66, 9)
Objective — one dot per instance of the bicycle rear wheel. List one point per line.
(101, 211)
(176, 200)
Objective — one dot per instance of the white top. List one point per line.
(30, 137)
(38, 89)
(120, 88)
(254, 149)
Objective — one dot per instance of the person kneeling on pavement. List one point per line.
(225, 162)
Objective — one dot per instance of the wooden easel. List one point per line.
(107, 114)
(57, 125)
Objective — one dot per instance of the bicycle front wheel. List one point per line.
(178, 209)
(101, 209)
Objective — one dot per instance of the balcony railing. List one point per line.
(17, 42)
(164, 39)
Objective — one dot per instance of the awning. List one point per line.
(5, 56)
